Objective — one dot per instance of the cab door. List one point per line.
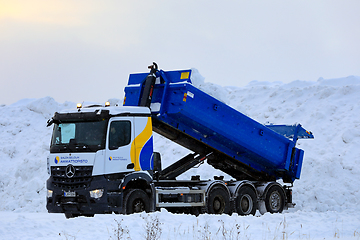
(120, 135)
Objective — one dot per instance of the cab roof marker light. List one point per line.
(107, 104)
(79, 105)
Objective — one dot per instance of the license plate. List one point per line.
(69, 194)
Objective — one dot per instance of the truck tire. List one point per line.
(71, 215)
(245, 202)
(275, 199)
(218, 201)
(135, 201)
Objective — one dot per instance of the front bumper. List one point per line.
(81, 203)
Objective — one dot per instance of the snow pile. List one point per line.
(327, 192)
(24, 146)
(212, 89)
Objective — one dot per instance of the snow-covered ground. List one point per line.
(327, 195)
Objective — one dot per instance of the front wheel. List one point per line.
(275, 199)
(71, 215)
(136, 200)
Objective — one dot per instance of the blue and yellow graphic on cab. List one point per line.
(110, 158)
(57, 159)
(141, 152)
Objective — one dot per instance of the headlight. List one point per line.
(97, 193)
(49, 193)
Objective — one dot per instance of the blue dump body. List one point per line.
(244, 147)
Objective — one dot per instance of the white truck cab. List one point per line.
(92, 147)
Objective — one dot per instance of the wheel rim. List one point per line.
(275, 201)
(138, 206)
(246, 204)
(219, 204)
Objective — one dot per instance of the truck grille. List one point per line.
(81, 178)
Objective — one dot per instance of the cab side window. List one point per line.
(119, 134)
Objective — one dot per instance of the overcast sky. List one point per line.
(84, 50)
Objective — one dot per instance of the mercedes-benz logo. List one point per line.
(70, 171)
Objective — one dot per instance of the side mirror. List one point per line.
(157, 162)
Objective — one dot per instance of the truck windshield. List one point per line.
(78, 136)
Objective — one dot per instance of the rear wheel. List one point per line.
(218, 201)
(275, 199)
(245, 202)
(136, 200)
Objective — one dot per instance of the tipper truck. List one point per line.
(102, 160)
